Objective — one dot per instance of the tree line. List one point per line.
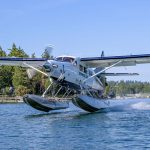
(15, 79)
(122, 88)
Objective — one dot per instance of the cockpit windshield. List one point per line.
(65, 59)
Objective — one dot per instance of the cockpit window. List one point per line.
(65, 59)
(68, 59)
(59, 59)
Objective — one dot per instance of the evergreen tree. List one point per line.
(5, 76)
(46, 54)
(33, 55)
(5, 73)
(20, 78)
(2, 52)
(17, 52)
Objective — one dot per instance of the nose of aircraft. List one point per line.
(48, 66)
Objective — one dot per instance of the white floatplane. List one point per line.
(85, 77)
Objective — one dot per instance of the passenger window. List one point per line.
(81, 68)
(85, 70)
(90, 73)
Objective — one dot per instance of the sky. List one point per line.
(79, 27)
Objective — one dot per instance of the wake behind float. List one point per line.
(45, 104)
(92, 104)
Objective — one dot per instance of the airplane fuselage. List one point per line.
(69, 70)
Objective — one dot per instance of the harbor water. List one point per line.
(23, 128)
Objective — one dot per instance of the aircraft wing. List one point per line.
(128, 60)
(13, 61)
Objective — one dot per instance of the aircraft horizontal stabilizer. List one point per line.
(120, 74)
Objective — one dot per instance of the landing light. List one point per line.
(55, 66)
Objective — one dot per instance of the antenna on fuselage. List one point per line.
(102, 54)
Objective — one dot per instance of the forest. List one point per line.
(14, 80)
(122, 88)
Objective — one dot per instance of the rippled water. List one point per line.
(22, 127)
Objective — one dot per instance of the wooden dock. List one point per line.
(10, 99)
(17, 99)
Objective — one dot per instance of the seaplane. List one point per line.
(84, 78)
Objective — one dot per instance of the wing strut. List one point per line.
(102, 70)
(43, 95)
(35, 69)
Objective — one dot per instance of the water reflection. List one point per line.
(22, 127)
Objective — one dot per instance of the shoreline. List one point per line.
(19, 99)
(10, 99)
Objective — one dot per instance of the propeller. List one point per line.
(48, 52)
(31, 72)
